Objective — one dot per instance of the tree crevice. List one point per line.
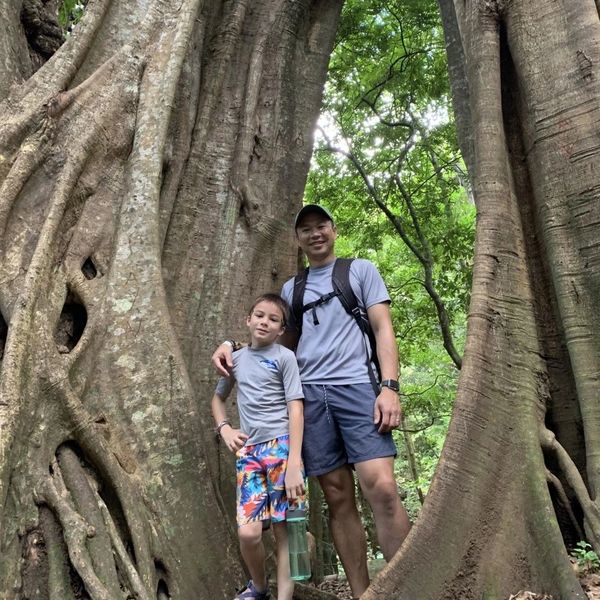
(88, 268)
(3, 335)
(71, 324)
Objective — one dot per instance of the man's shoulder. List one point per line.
(287, 287)
(362, 263)
(361, 268)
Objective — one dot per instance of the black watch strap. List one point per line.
(391, 383)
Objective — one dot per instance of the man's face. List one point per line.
(316, 236)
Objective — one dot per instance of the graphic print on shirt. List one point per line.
(272, 365)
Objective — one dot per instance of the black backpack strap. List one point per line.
(340, 278)
(313, 305)
(341, 286)
(298, 300)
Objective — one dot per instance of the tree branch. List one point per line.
(426, 260)
(590, 509)
(564, 501)
(75, 531)
(58, 563)
(84, 500)
(125, 563)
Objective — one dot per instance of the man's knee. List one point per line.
(338, 489)
(379, 484)
(384, 494)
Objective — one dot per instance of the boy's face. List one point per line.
(265, 323)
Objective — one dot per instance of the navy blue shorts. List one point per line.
(339, 428)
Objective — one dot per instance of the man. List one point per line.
(347, 424)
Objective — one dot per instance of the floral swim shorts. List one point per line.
(261, 481)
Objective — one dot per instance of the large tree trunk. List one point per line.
(149, 175)
(527, 410)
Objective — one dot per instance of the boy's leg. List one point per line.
(252, 509)
(346, 527)
(285, 585)
(376, 477)
(253, 553)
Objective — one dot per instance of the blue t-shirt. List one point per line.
(267, 379)
(335, 351)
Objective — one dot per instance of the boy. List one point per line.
(268, 443)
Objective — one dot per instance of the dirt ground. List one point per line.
(591, 585)
(590, 582)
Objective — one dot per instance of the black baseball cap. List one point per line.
(312, 208)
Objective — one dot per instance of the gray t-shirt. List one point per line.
(334, 352)
(267, 379)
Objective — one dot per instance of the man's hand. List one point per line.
(234, 438)
(387, 410)
(222, 359)
(294, 482)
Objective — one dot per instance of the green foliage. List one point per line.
(70, 13)
(585, 556)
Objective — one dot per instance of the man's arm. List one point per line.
(387, 406)
(294, 481)
(222, 358)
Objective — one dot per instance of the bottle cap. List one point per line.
(295, 514)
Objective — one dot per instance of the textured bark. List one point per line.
(149, 174)
(459, 83)
(527, 407)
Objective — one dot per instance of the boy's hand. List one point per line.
(294, 482)
(222, 359)
(234, 438)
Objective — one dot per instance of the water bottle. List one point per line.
(298, 544)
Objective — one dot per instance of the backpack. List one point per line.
(340, 279)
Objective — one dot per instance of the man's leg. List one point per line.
(253, 553)
(346, 527)
(376, 477)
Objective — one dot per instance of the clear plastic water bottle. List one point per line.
(298, 544)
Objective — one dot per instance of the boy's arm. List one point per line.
(294, 480)
(234, 438)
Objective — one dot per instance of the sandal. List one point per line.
(251, 593)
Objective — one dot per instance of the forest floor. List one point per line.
(590, 582)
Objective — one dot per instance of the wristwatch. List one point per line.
(390, 383)
(234, 345)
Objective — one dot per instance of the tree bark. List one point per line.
(459, 82)
(529, 387)
(149, 174)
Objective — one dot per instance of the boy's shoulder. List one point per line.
(276, 352)
(286, 353)
(239, 352)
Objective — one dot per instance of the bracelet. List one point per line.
(221, 425)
